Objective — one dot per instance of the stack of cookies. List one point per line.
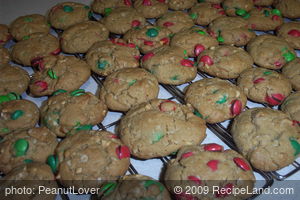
(245, 50)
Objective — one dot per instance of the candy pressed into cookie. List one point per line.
(238, 7)
(208, 166)
(151, 8)
(34, 144)
(159, 128)
(291, 106)
(288, 8)
(66, 113)
(267, 138)
(105, 7)
(291, 71)
(58, 72)
(290, 31)
(215, 100)
(126, 88)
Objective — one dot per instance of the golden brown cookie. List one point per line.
(238, 7)
(36, 45)
(23, 26)
(151, 8)
(18, 115)
(263, 2)
(288, 8)
(105, 7)
(211, 167)
(264, 86)
(35, 144)
(4, 56)
(80, 37)
(291, 33)
(148, 38)
(181, 4)
(160, 127)
(224, 61)
(291, 106)
(267, 138)
(13, 79)
(91, 158)
(66, 113)
(215, 100)
(66, 14)
(194, 40)
(58, 72)
(270, 52)
(111, 55)
(126, 88)
(4, 34)
(170, 65)
(291, 71)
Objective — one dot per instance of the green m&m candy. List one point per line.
(152, 32)
(68, 8)
(17, 114)
(52, 161)
(21, 147)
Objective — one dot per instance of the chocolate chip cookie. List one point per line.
(291, 33)
(267, 138)
(148, 38)
(18, 115)
(4, 56)
(13, 79)
(160, 127)
(58, 72)
(194, 40)
(151, 8)
(264, 86)
(23, 26)
(231, 30)
(108, 56)
(126, 17)
(291, 106)
(66, 113)
(224, 61)
(292, 71)
(270, 52)
(126, 88)
(215, 100)
(35, 144)
(91, 158)
(66, 14)
(80, 37)
(170, 65)
(211, 167)
(36, 45)
(175, 21)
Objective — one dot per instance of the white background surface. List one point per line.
(11, 9)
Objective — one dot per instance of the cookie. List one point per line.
(4, 56)
(18, 115)
(224, 61)
(80, 37)
(170, 65)
(211, 167)
(291, 106)
(126, 88)
(210, 1)
(290, 31)
(267, 138)
(292, 71)
(4, 34)
(91, 158)
(105, 7)
(66, 112)
(194, 40)
(23, 26)
(204, 13)
(181, 4)
(238, 7)
(140, 187)
(109, 56)
(231, 30)
(36, 45)
(148, 38)
(159, 128)
(270, 52)
(34, 144)
(66, 14)
(126, 17)
(263, 2)
(13, 79)
(264, 86)
(175, 21)
(151, 8)
(58, 72)
(215, 100)
(34, 175)
(264, 19)
(289, 8)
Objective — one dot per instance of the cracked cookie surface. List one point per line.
(160, 127)
(291, 106)
(292, 71)
(151, 8)
(267, 138)
(291, 33)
